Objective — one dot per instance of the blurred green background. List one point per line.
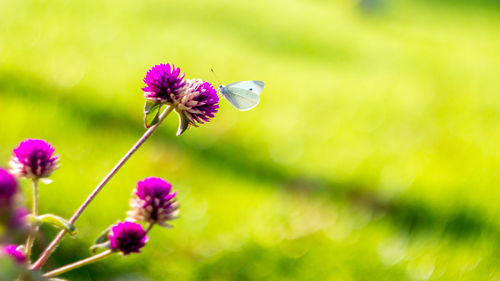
(373, 154)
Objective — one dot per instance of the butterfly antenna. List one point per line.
(216, 78)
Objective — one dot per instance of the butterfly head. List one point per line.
(220, 88)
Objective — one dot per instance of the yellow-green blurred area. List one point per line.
(373, 155)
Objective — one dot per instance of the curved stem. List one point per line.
(78, 264)
(50, 248)
(150, 225)
(34, 229)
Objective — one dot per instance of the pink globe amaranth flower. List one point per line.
(198, 101)
(8, 188)
(163, 82)
(18, 219)
(12, 251)
(154, 202)
(34, 159)
(127, 237)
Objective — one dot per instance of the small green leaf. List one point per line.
(183, 123)
(151, 113)
(149, 106)
(54, 221)
(101, 246)
(103, 237)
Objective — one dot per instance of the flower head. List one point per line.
(8, 187)
(198, 101)
(164, 82)
(34, 159)
(18, 219)
(11, 250)
(127, 237)
(153, 202)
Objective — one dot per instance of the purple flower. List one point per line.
(8, 187)
(127, 237)
(198, 101)
(11, 250)
(164, 83)
(34, 159)
(18, 219)
(153, 202)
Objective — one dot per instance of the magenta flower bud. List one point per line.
(127, 237)
(153, 202)
(164, 82)
(12, 251)
(198, 101)
(8, 188)
(34, 159)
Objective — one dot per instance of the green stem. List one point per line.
(34, 229)
(78, 264)
(150, 225)
(50, 248)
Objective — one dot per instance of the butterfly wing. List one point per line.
(251, 85)
(243, 95)
(240, 98)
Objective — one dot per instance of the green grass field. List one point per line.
(373, 155)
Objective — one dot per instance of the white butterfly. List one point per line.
(243, 95)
